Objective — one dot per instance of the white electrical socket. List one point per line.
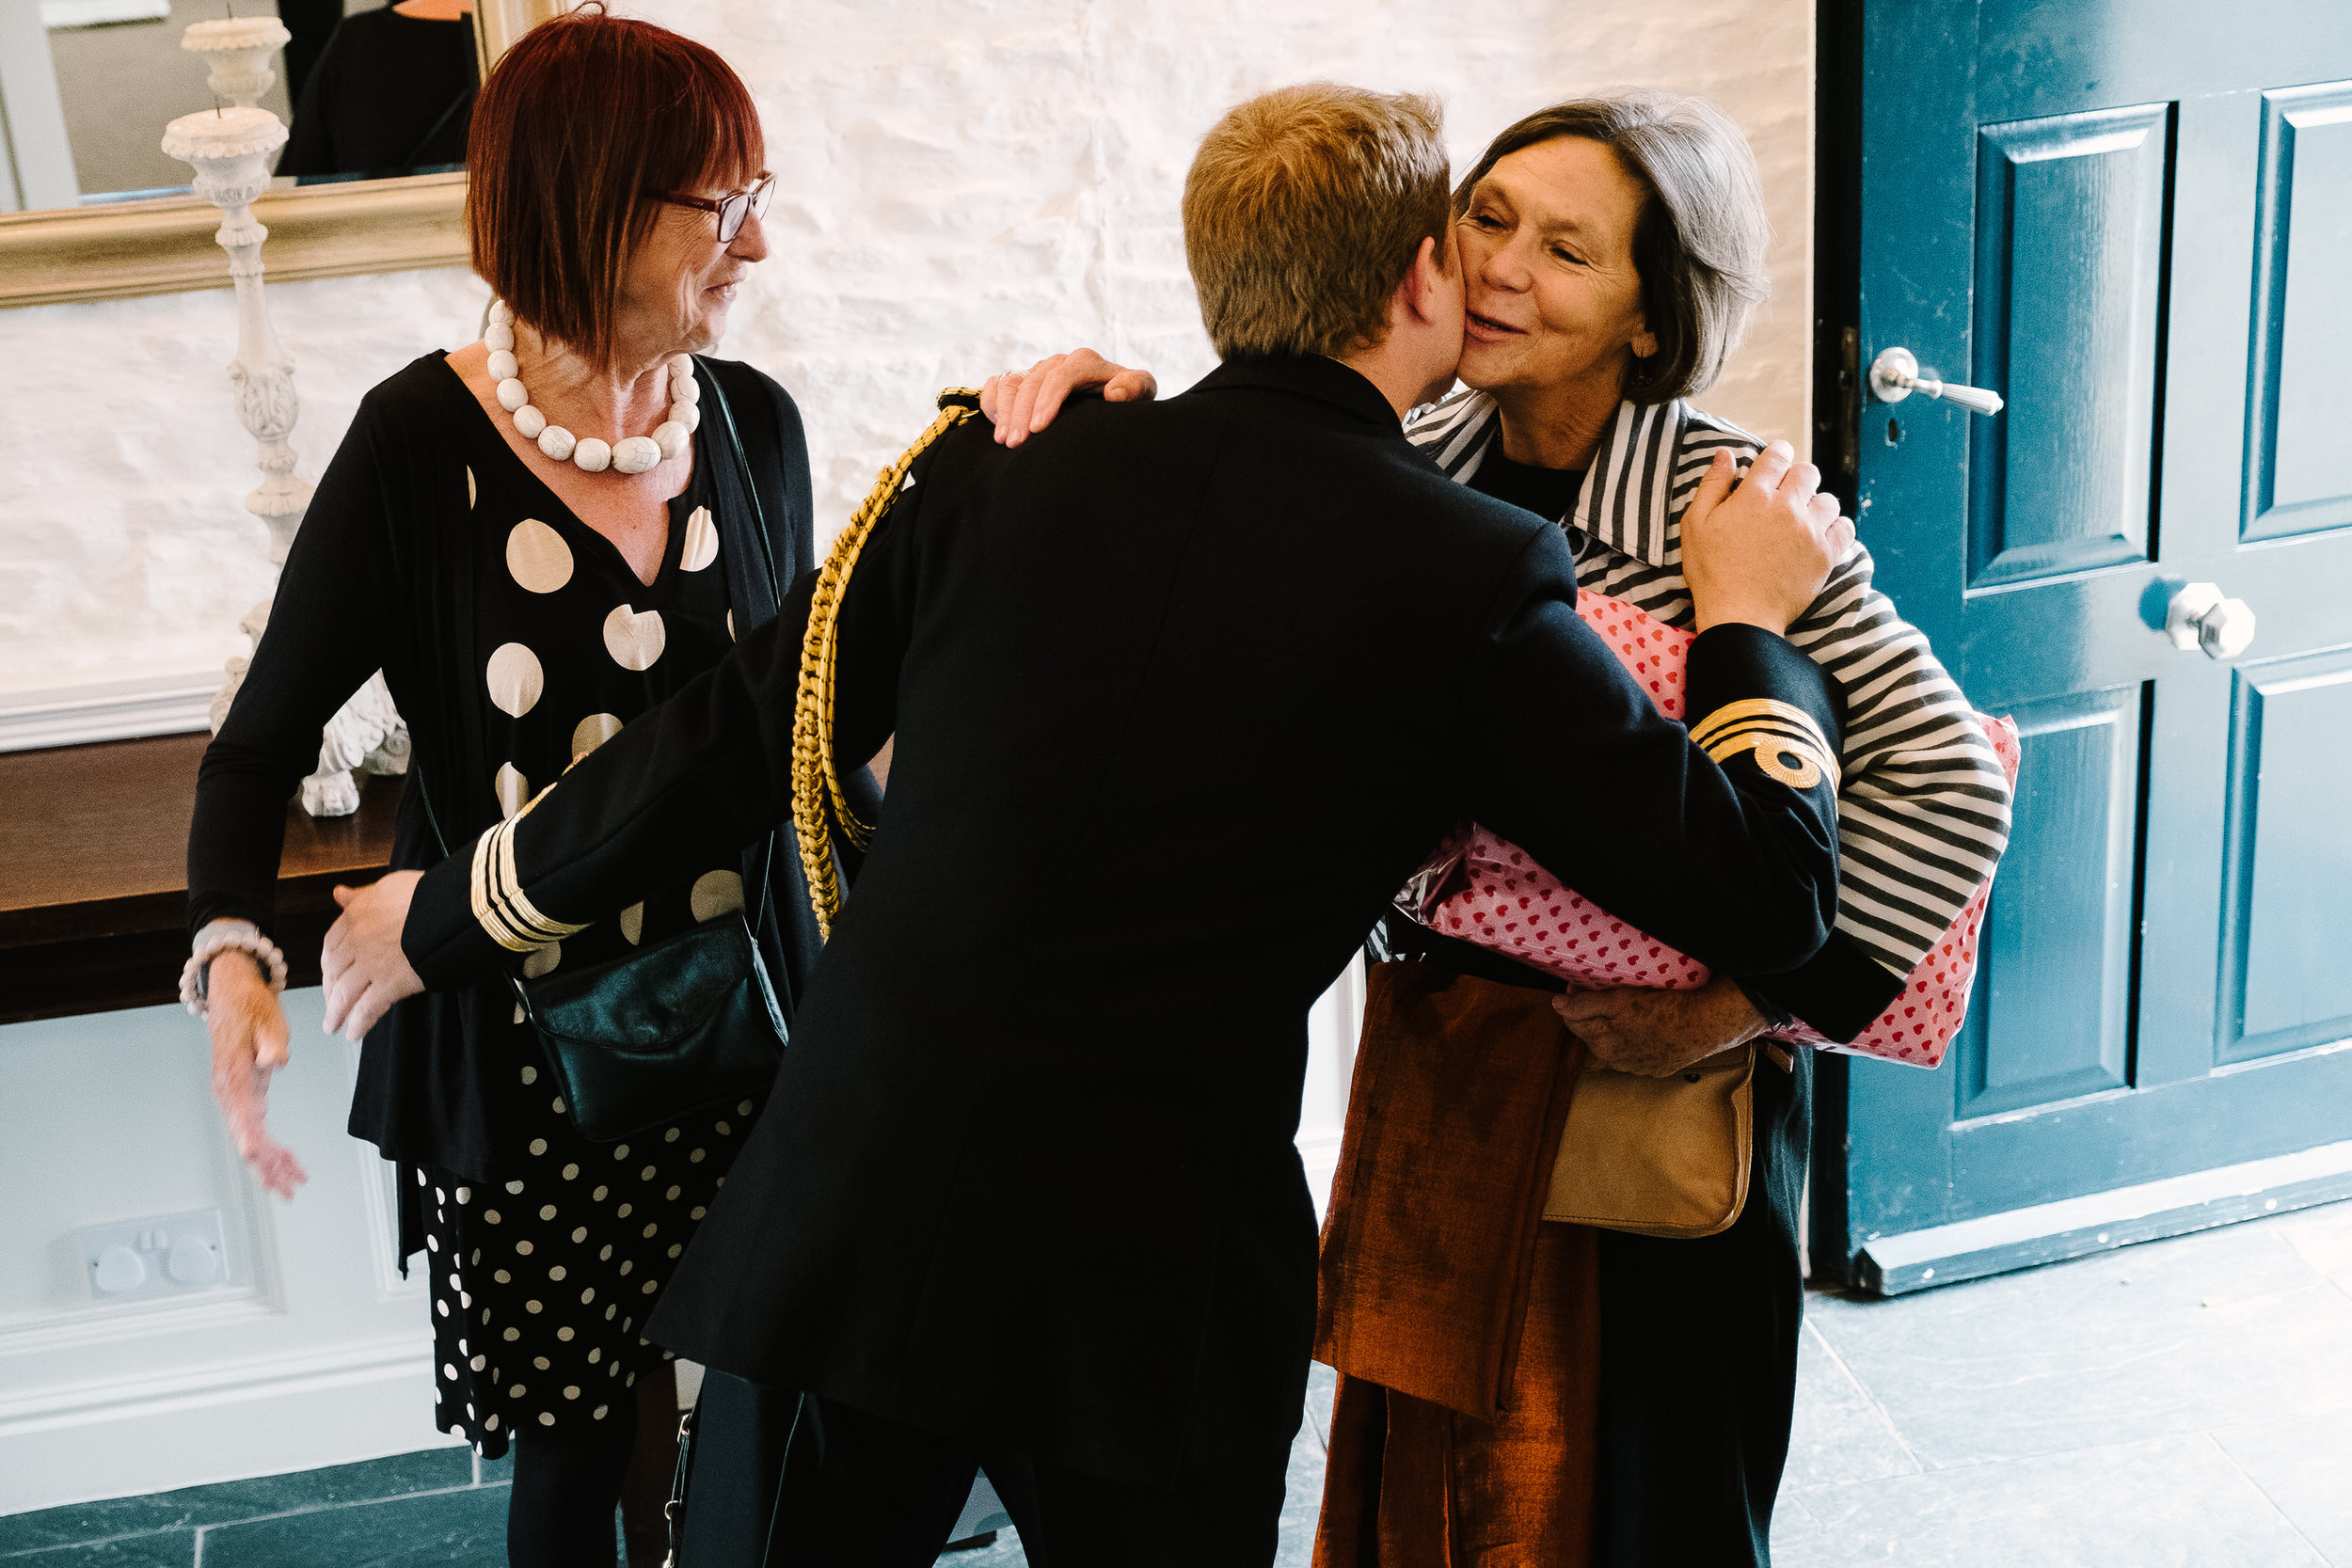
(165, 1255)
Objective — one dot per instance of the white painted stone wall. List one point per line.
(966, 184)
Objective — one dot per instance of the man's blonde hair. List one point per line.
(1303, 212)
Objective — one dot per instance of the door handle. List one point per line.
(1895, 375)
(2199, 617)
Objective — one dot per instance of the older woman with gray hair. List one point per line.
(1612, 249)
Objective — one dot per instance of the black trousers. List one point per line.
(1698, 1372)
(837, 1487)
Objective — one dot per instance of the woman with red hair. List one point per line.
(536, 538)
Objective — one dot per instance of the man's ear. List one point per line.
(1423, 291)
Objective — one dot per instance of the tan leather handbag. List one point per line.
(1658, 1156)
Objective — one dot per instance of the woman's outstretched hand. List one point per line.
(1760, 552)
(1656, 1033)
(1022, 403)
(249, 1030)
(361, 963)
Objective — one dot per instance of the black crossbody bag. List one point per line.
(689, 1023)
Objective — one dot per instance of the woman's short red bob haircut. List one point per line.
(581, 127)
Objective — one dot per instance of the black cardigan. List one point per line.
(380, 576)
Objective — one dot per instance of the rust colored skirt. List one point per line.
(1413, 1484)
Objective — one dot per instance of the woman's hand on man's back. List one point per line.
(1022, 403)
(1758, 549)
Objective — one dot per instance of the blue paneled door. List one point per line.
(2133, 220)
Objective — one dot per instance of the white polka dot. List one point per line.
(557, 1104)
(608, 1318)
(633, 923)
(420, 1181)
(633, 640)
(449, 1372)
(515, 680)
(695, 1158)
(678, 1248)
(514, 792)
(513, 1186)
(492, 1424)
(569, 1171)
(606, 1256)
(696, 1213)
(546, 1417)
(624, 1209)
(599, 1194)
(530, 1075)
(593, 732)
(533, 1308)
(564, 1334)
(511, 1334)
(523, 1247)
(620, 1151)
(491, 1215)
(477, 1362)
(503, 1277)
(541, 959)
(571, 1390)
(580, 1234)
(587, 1295)
(627, 1264)
(537, 557)
(744, 1109)
(465, 1195)
(594, 1356)
(701, 542)
(670, 1136)
(652, 1285)
(601, 1410)
(730, 626)
(546, 1210)
(716, 892)
(538, 1145)
(672, 1193)
(556, 1273)
(433, 1243)
(442, 1307)
(725, 1129)
(469, 487)
(650, 1231)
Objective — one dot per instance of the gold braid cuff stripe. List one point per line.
(500, 904)
(1776, 733)
(817, 800)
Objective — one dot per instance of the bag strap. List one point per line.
(768, 553)
(818, 801)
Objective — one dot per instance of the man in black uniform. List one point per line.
(1182, 691)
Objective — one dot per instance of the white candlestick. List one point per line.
(230, 151)
(239, 49)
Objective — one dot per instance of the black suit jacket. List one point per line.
(1028, 1174)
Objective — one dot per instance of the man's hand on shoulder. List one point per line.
(1760, 552)
(1022, 403)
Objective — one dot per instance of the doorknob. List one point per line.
(2199, 617)
(1895, 375)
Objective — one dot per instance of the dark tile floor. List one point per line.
(2181, 1404)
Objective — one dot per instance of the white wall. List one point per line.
(965, 186)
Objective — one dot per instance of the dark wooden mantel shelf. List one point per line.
(93, 874)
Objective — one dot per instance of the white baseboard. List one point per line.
(226, 1422)
(107, 710)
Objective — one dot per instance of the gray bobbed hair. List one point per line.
(1699, 243)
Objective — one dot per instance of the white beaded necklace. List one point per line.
(632, 454)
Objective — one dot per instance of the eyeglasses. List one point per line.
(731, 209)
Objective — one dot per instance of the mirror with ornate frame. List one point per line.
(110, 247)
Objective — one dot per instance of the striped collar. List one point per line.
(1624, 503)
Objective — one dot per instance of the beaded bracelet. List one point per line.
(220, 937)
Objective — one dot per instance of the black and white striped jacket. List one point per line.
(1924, 806)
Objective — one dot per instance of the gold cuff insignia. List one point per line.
(1787, 746)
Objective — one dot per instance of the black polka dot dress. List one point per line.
(542, 1281)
